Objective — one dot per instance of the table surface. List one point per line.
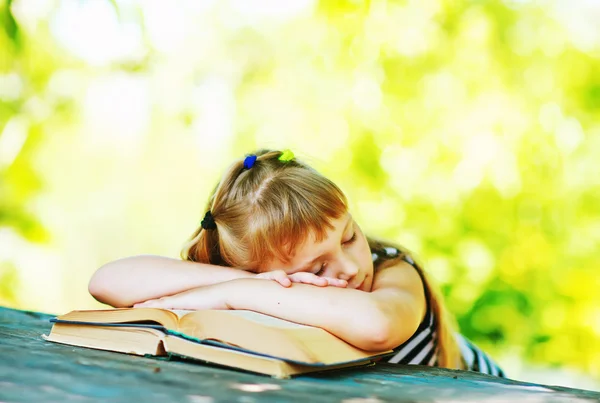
(33, 370)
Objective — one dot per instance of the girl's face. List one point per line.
(344, 253)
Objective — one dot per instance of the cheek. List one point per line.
(365, 254)
(271, 265)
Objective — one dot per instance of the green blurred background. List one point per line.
(465, 130)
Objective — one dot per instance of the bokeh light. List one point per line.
(467, 131)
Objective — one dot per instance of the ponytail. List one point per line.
(204, 245)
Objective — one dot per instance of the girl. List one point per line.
(277, 238)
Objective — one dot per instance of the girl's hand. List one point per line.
(286, 280)
(310, 278)
(207, 297)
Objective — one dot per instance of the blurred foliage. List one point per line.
(467, 131)
(17, 180)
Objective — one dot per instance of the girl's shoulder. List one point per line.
(382, 253)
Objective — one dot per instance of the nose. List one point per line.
(347, 268)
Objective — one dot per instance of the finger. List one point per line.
(282, 278)
(308, 278)
(285, 282)
(336, 282)
(278, 276)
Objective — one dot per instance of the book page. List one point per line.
(263, 334)
(179, 312)
(164, 317)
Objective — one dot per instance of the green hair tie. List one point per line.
(286, 156)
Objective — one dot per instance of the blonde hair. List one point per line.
(266, 211)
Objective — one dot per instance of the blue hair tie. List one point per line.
(249, 161)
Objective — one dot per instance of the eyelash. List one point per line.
(352, 239)
(348, 242)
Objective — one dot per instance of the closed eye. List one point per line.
(352, 239)
(345, 243)
(321, 270)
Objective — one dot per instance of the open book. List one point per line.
(234, 338)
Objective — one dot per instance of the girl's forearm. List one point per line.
(127, 281)
(352, 315)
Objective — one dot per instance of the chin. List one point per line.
(365, 285)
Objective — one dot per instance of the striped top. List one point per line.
(422, 347)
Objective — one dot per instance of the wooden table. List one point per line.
(33, 370)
